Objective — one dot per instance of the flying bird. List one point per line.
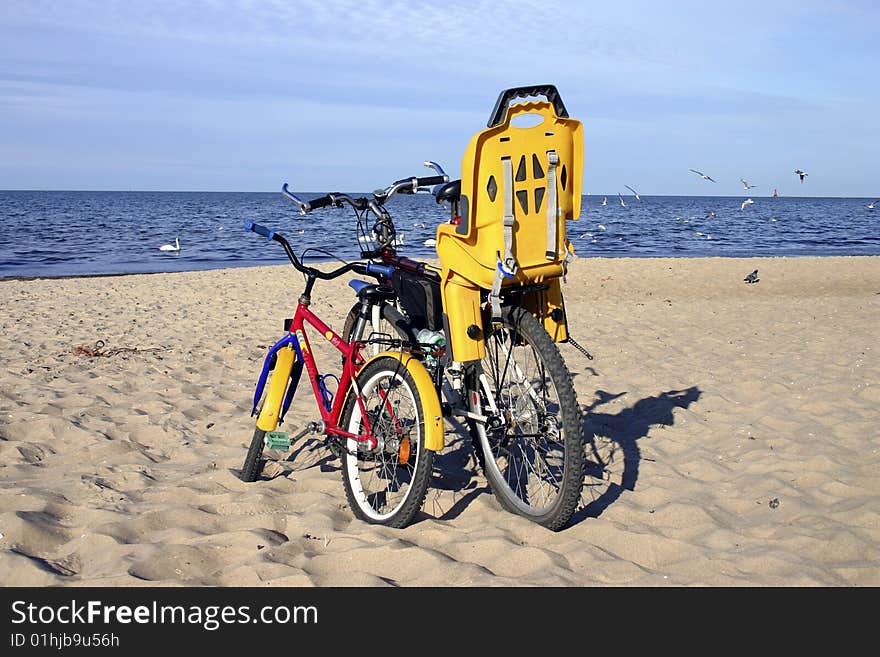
(638, 198)
(802, 174)
(873, 203)
(748, 201)
(702, 175)
(604, 200)
(709, 214)
(621, 199)
(752, 278)
(171, 247)
(746, 183)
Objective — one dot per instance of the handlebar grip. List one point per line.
(259, 230)
(549, 91)
(431, 180)
(385, 270)
(320, 202)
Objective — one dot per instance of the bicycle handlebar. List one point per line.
(368, 268)
(404, 186)
(307, 206)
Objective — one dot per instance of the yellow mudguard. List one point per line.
(427, 393)
(277, 386)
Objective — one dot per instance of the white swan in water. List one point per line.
(171, 247)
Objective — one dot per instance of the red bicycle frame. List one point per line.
(353, 360)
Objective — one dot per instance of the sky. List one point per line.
(340, 95)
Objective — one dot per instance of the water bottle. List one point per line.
(432, 342)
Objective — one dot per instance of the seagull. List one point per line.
(621, 200)
(604, 200)
(171, 247)
(746, 183)
(873, 203)
(802, 174)
(600, 227)
(430, 242)
(709, 214)
(748, 201)
(638, 198)
(418, 225)
(752, 278)
(702, 175)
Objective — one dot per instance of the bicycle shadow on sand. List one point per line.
(612, 454)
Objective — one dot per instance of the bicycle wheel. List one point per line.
(386, 483)
(253, 463)
(533, 442)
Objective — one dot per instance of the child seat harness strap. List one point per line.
(506, 267)
(552, 205)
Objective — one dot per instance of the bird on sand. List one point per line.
(752, 278)
(748, 201)
(746, 183)
(638, 198)
(171, 247)
(802, 174)
(702, 175)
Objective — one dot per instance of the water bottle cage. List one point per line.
(327, 394)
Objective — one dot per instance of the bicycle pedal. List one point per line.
(277, 440)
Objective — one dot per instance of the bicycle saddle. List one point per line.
(451, 191)
(371, 291)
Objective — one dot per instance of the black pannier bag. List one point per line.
(420, 299)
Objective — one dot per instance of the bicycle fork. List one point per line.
(284, 379)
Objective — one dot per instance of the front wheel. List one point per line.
(532, 441)
(386, 479)
(253, 463)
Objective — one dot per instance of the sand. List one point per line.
(739, 426)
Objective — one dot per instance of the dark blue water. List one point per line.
(78, 233)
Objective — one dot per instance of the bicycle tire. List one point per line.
(558, 458)
(253, 463)
(387, 484)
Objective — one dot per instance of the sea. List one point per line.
(79, 233)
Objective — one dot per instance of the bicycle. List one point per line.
(383, 420)
(518, 402)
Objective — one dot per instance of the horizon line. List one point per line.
(213, 191)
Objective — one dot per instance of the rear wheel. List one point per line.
(532, 443)
(386, 479)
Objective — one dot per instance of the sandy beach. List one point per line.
(739, 425)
